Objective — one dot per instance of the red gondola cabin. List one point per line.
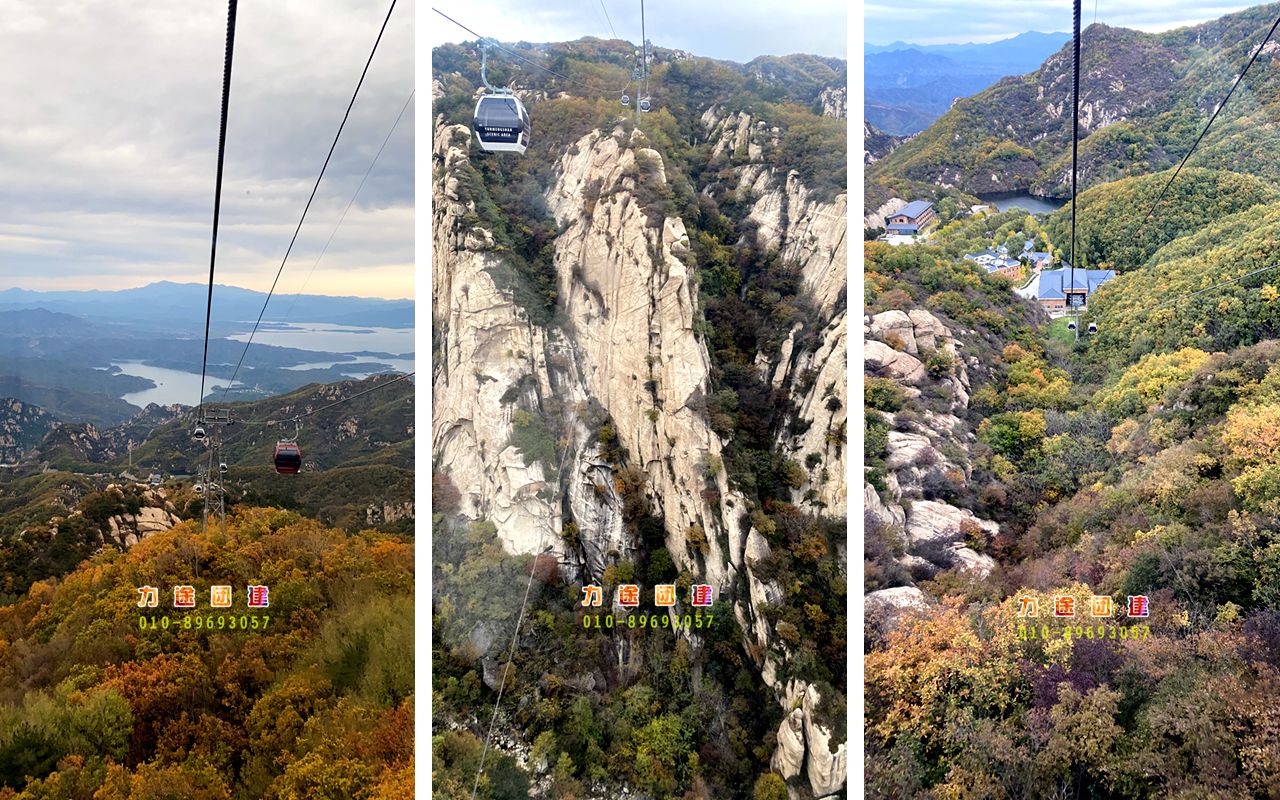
(288, 458)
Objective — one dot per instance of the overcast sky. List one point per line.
(108, 144)
(737, 30)
(947, 21)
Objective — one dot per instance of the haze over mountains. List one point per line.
(180, 306)
(908, 86)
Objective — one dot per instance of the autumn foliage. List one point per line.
(319, 704)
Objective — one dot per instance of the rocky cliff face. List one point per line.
(803, 744)
(811, 233)
(628, 301)
(22, 426)
(835, 102)
(126, 530)
(629, 298)
(876, 144)
(88, 443)
(625, 352)
(485, 347)
(155, 513)
(386, 513)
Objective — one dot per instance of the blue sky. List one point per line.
(947, 21)
(108, 144)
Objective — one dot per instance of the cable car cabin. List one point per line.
(1093, 327)
(501, 124)
(198, 434)
(288, 458)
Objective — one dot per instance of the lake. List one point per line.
(329, 338)
(1003, 201)
(171, 385)
(177, 386)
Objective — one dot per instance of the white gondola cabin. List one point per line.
(501, 124)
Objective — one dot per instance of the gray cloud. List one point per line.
(945, 21)
(109, 134)
(737, 30)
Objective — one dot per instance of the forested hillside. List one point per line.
(1212, 288)
(74, 493)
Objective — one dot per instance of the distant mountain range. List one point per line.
(180, 307)
(1144, 99)
(908, 86)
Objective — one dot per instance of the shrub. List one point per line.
(883, 394)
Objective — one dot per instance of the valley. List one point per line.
(1070, 536)
(639, 348)
(1143, 103)
(207, 546)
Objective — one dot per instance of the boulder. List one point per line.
(890, 515)
(917, 330)
(906, 448)
(933, 521)
(900, 598)
(897, 324)
(886, 362)
(885, 607)
(968, 560)
(930, 333)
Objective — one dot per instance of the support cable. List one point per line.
(217, 192)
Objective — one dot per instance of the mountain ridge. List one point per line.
(172, 305)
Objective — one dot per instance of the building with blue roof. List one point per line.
(1037, 259)
(918, 214)
(1059, 288)
(996, 262)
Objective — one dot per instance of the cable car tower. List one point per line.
(213, 420)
